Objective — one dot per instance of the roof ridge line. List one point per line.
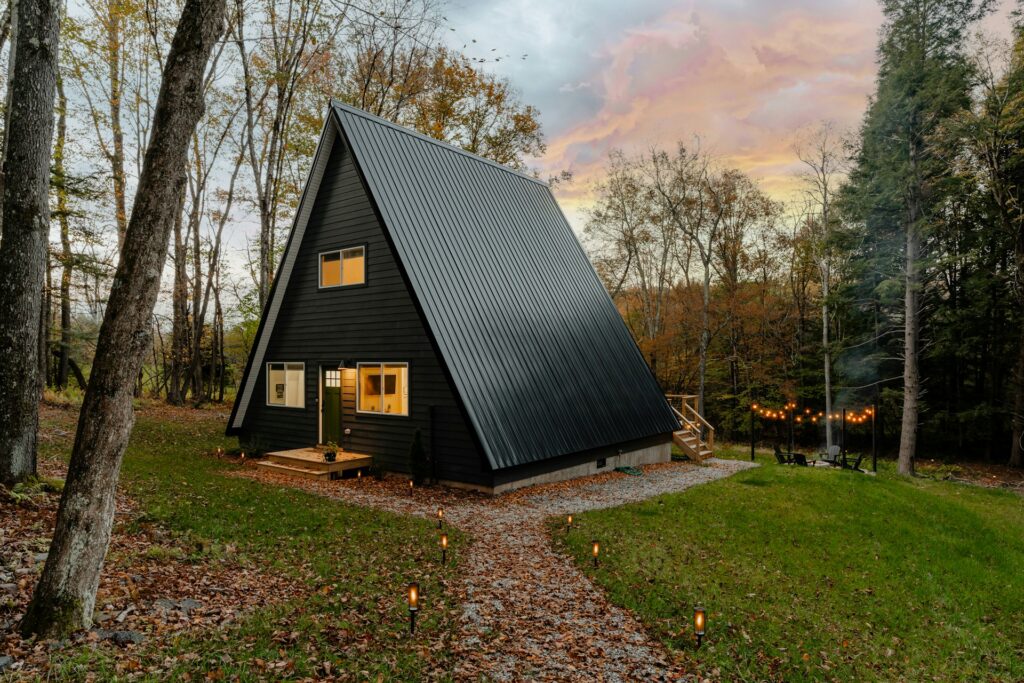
(426, 138)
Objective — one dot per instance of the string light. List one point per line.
(854, 416)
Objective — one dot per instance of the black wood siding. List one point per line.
(375, 322)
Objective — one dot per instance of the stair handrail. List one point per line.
(693, 425)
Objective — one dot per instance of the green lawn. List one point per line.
(356, 563)
(811, 574)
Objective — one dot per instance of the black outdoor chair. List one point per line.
(856, 463)
(834, 457)
(831, 456)
(789, 458)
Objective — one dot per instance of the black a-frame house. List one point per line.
(425, 289)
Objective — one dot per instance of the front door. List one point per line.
(330, 406)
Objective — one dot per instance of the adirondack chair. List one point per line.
(789, 458)
(832, 456)
(856, 464)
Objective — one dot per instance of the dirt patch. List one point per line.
(153, 585)
(989, 475)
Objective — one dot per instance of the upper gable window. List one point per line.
(343, 268)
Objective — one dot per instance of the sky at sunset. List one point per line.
(747, 76)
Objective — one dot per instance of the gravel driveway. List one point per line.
(528, 613)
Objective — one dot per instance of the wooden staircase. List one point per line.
(696, 436)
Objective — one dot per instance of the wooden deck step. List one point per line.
(290, 470)
(691, 445)
(312, 459)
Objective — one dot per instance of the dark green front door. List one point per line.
(330, 418)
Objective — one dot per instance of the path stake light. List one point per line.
(410, 488)
(444, 548)
(596, 549)
(440, 517)
(414, 605)
(359, 474)
(699, 623)
(568, 523)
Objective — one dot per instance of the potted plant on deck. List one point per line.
(330, 451)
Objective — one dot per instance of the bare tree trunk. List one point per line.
(43, 357)
(705, 333)
(5, 24)
(66, 593)
(911, 374)
(26, 224)
(1017, 450)
(201, 303)
(179, 319)
(219, 318)
(825, 276)
(66, 258)
(113, 21)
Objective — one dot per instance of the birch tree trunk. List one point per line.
(66, 593)
(26, 225)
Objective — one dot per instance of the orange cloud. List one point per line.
(745, 83)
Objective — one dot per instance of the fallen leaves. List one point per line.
(153, 585)
(527, 612)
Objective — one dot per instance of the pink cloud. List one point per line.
(746, 85)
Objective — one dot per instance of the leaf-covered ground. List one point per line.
(289, 585)
(525, 612)
(820, 574)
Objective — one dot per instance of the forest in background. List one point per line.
(910, 243)
(895, 281)
(730, 294)
(271, 78)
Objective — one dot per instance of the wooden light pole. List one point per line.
(874, 442)
(753, 410)
(792, 435)
(843, 437)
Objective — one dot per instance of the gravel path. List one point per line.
(528, 613)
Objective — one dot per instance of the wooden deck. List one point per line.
(309, 463)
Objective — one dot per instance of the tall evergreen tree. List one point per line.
(901, 174)
(994, 136)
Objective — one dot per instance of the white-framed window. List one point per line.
(383, 388)
(343, 268)
(286, 385)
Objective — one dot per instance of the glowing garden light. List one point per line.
(596, 549)
(699, 623)
(568, 523)
(440, 517)
(414, 605)
(444, 548)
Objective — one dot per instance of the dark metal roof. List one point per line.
(536, 349)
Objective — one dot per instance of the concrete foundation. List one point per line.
(642, 456)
